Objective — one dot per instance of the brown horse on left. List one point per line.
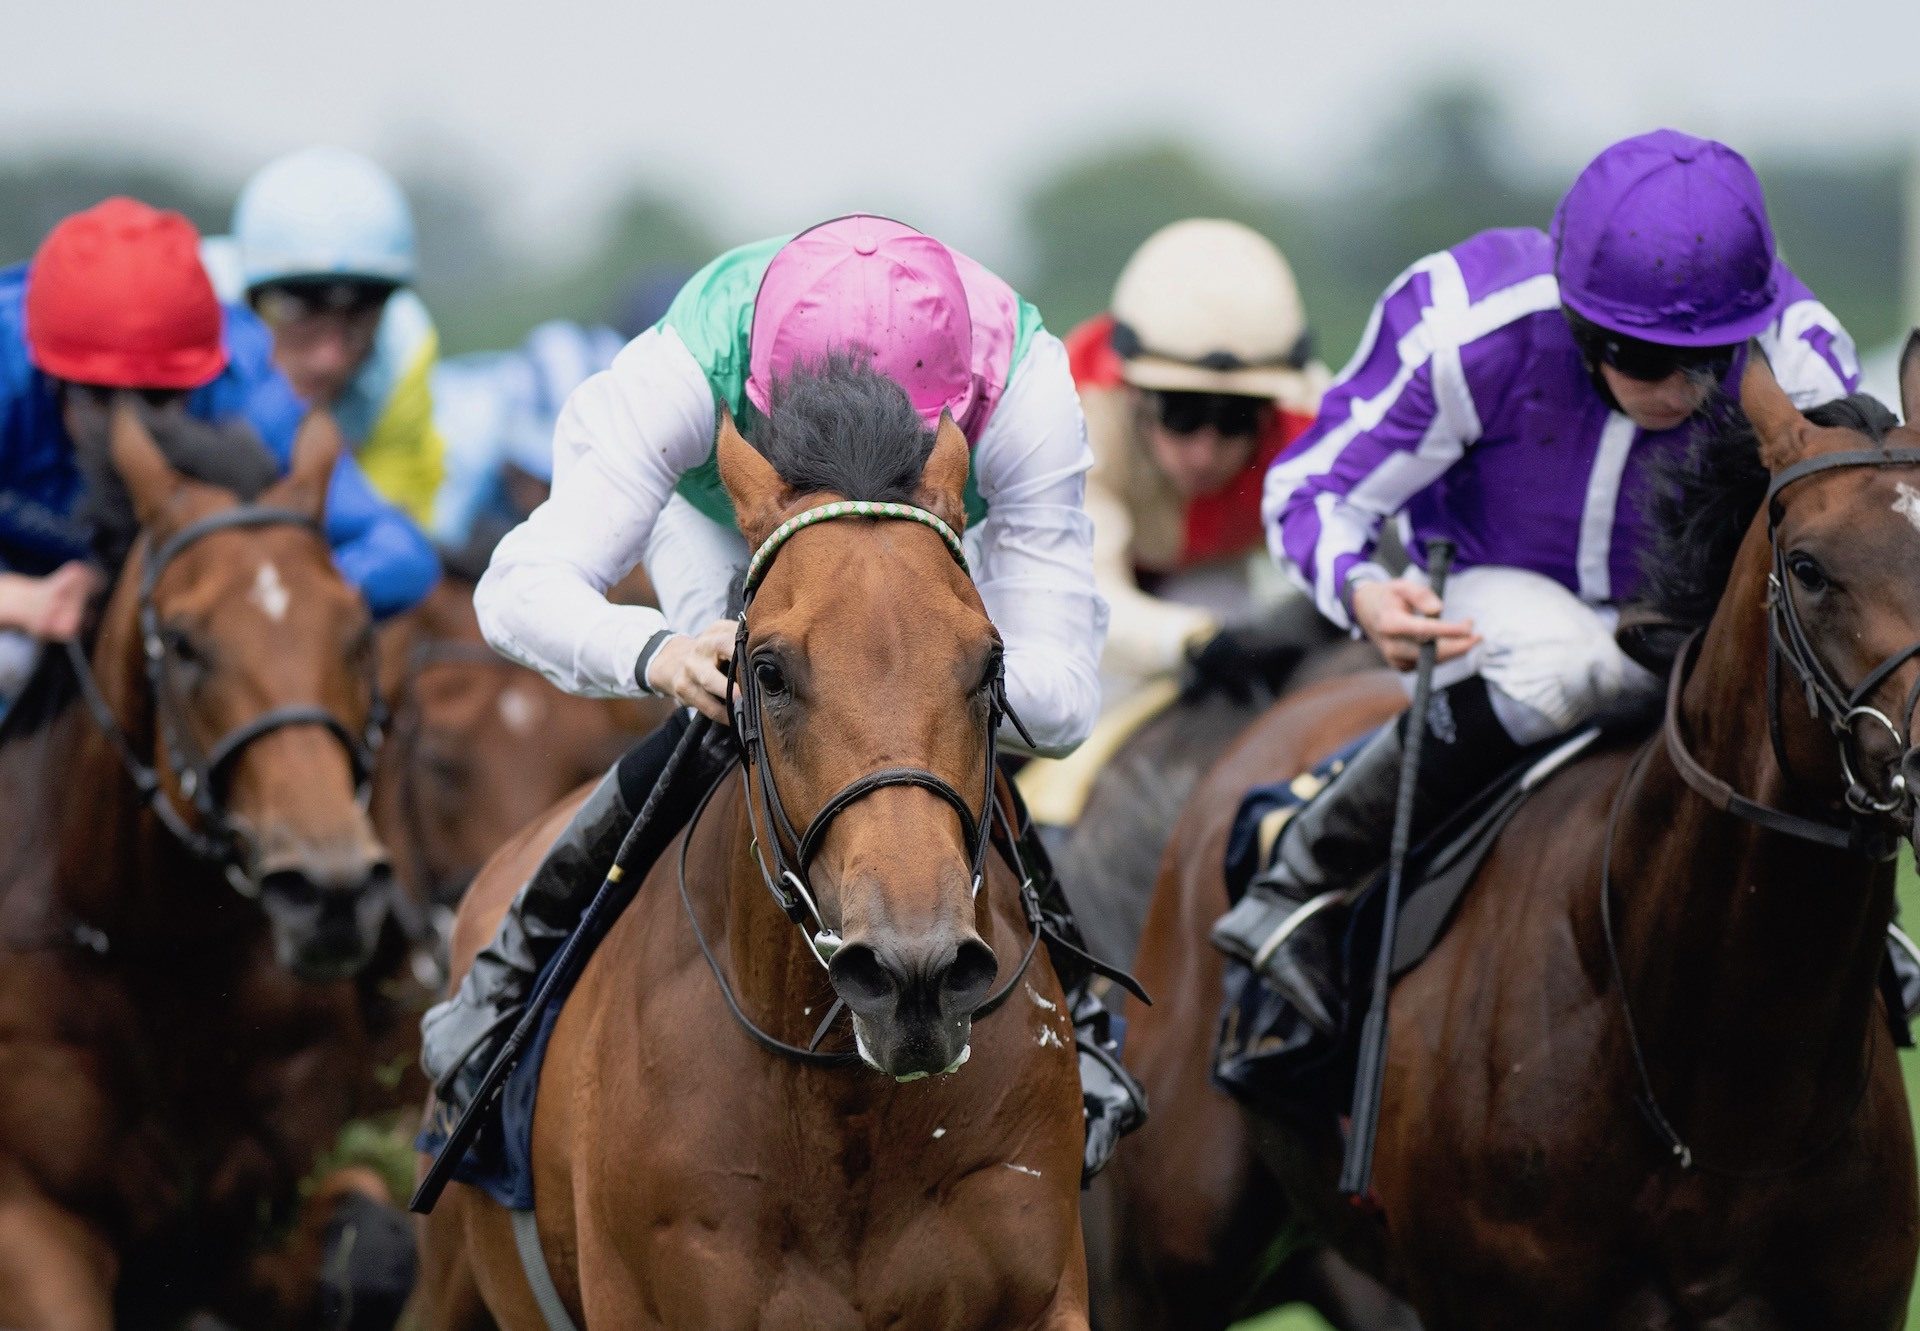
(686, 1176)
(175, 1057)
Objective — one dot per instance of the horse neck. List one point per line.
(1750, 957)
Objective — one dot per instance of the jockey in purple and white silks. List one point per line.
(1512, 395)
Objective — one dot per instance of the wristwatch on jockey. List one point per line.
(1664, 262)
(860, 282)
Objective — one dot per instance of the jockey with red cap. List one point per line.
(117, 298)
(636, 477)
(1514, 395)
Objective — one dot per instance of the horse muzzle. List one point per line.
(326, 913)
(913, 1000)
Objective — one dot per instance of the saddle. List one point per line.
(1268, 1056)
(1265, 1053)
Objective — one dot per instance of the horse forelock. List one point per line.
(837, 426)
(1703, 499)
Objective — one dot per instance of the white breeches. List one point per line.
(1548, 657)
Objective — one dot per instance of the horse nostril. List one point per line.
(968, 981)
(860, 977)
(291, 888)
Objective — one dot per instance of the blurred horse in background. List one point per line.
(190, 899)
(479, 747)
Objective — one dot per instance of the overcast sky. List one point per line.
(771, 114)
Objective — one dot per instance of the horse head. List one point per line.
(249, 659)
(1837, 541)
(871, 653)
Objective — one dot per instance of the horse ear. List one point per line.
(316, 452)
(943, 481)
(150, 479)
(759, 495)
(1910, 381)
(1778, 424)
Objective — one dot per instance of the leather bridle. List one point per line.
(792, 850)
(1828, 700)
(210, 833)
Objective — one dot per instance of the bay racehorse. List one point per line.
(478, 746)
(1646, 1078)
(187, 890)
(685, 1174)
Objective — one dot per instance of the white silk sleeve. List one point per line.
(1032, 556)
(623, 441)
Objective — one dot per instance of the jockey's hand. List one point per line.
(50, 608)
(1398, 615)
(690, 668)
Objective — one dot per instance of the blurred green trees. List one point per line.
(1448, 165)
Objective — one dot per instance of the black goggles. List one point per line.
(1231, 414)
(304, 297)
(1650, 362)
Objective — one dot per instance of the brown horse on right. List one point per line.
(1680, 1108)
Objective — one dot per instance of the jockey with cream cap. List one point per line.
(1514, 395)
(1198, 376)
(636, 477)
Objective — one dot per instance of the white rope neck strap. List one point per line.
(847, 508)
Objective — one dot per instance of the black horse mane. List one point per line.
(839, 426)
(1705, 497)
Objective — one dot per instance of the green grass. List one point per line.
(1299, 1318)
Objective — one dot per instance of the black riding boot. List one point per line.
(1288, 925)
(1114, 1103)
(461, 1036)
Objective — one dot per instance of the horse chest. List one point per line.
(819, 1199)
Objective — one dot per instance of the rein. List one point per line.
(1827, 700)
(792, 849)
(210, 835)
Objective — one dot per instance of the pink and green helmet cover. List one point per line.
(945, 329)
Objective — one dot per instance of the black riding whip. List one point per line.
(1356, 1171)
(607, 903)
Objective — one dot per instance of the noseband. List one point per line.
(788, 876)
(212, 836)
(1828, 700)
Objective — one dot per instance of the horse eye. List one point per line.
(771, 679)
(1807, 572)
(182, 650)
(996, 663)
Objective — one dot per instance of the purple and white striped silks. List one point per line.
(1467, 409)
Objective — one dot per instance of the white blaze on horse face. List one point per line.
(519, 709)
(1908, 503)
(269, 592)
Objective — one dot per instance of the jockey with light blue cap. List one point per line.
(323, 249)
(1513, 395)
